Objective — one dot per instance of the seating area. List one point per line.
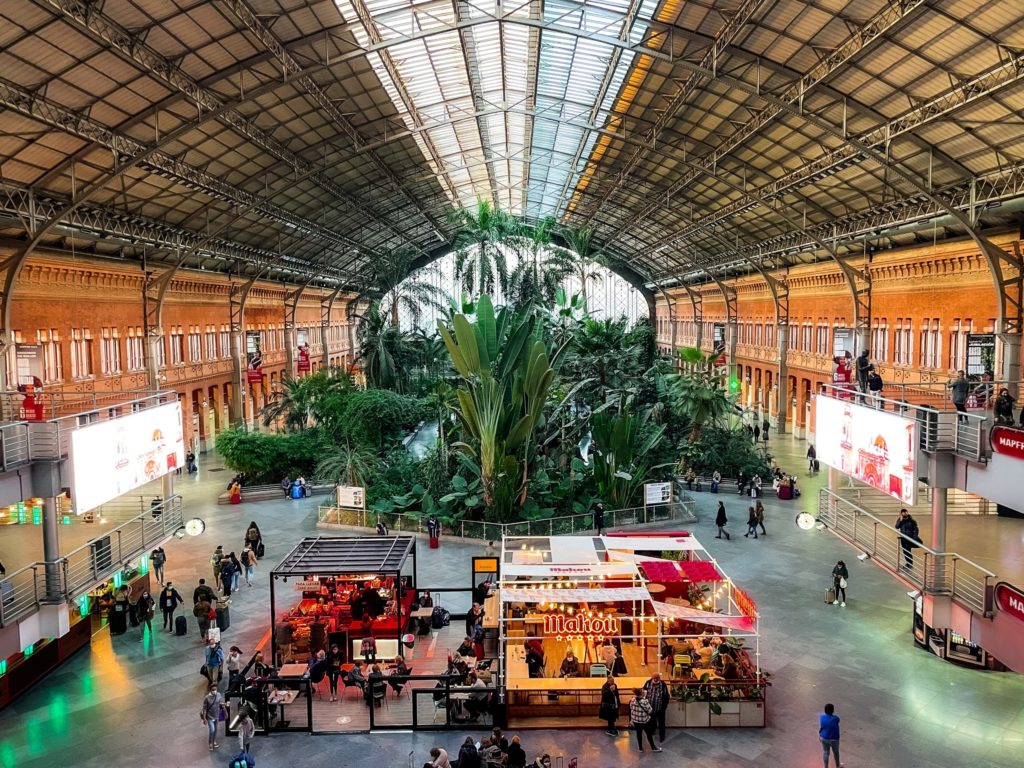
(273, 492)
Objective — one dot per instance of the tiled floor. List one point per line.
(130, 703)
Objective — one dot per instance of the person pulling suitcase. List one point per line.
(169, 602)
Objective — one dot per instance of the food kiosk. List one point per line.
(342, 590)
(577, 608)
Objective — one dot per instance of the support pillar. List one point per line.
(1009, 355)
(326, 304)
(939, 501)
(863, 337)
(783, 404)
(167, 485)
(235, 412)
(731, 337)
(51, 549)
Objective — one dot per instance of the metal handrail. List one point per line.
(480, 530)
(934, 572)
(25, 590)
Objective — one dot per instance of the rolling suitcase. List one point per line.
(817, 466)
(830, 595)
(223, 618)
(181, 626)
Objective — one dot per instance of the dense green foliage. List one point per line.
(535, 409)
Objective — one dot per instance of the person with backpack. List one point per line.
(640, 718)
(214, 665)
(209, 713)
(169, 602)
(157, 558)
(236, 575)
(202, 611)
(254, 538)
(248, 561)
(227, 575)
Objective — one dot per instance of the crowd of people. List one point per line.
(493, 751)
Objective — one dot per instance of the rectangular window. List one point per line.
(225, 342)
(880, 340)
(931, 344)
(177, 344)
(210, 340)
(53, 366)
(806, 335)
(903, 342)
(134, 350)
(195, 345)
(81, 353)
(821, 342)
(757, 335)
(110, 352)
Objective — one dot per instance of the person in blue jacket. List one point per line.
(828, 734)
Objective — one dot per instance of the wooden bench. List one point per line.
(726, 486)
(269, 492)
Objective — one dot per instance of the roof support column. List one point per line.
(326, 304)
(291, 303)
(1010, 324)
(154, 290)
(238, 294)
(782, 386)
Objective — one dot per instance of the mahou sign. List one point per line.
(600, 626)
(1010, 600)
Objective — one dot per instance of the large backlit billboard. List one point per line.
(113, 457)
(874, 446)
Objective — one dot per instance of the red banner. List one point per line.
(1010, 600)
(1008, 441)
(744, 602)
(304, 363)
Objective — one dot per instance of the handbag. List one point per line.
(222, 715)
(205, 671)
(842, 582)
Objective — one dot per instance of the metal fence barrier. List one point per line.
(480, 530)
(939, 573)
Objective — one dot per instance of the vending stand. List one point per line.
(334, 590)
(577, 608)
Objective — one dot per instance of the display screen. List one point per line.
(114, 457)
(873, 446)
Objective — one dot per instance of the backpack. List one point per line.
(439, 618)
(245, 557)
(478, 633)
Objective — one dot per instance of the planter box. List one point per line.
(729, 717)
(752, 714)
(698, 714)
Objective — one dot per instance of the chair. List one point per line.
(681, 664)
(398, 687)
(349, 684)
(380, 693)
(598, 670)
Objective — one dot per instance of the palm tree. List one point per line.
(380, 348)
(541, 269)
(399, 287)
(699, 391)
(605, 355)
(347, 465)
(580, 244)
(297, 400)
(479, 259)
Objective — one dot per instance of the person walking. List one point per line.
(157, 558)
(812, 456)
(907, 525)
(759, 513)
(203, 592)
(610, 703)
(875, 385)
(214, 663)
(236, 574)
(959, 388)
(169, 602)
(227, 575)
(657, 693)
(765, 428)
(751, 522)
(215, 560)
(839, 576)
(246, 730)
(202, 611)
(757, 433)
(234, 666)
(248, 561)
(144, 609)
(721, 521)
(640, 720)
(209, 713)
(828, 734)
(599, 518)
(254, 538)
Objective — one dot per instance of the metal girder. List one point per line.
(90, 17)
(326, 305)
(1009, 72)
(733, 24)
(367, 20)
(128, 153)
(247, 16)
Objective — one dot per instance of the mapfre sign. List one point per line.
(1008, 441)
(1010, 600)
(598, 626)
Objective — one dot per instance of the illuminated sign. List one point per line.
(1010, 600)
(874, 446)
(599, 626)
(111, 458)
(1008, 441)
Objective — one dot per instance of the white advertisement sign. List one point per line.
(351, 497)
(876, 447)
(657, 493)
(113, 457)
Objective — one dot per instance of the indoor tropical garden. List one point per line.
(505, 390)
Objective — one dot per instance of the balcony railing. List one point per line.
(681, 511)
(25, 590)
(936, 573)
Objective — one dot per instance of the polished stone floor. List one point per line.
(128, 702)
